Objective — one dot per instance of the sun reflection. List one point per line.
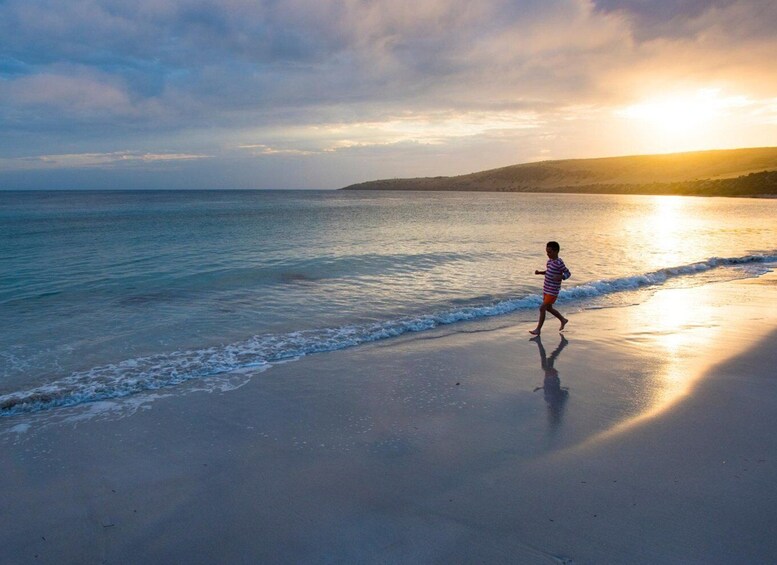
(666, 216)
(673, 336)
(681, 345)
(666, 212)
(665, 229)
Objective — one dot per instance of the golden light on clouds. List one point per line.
(433, 128)
(680, 121)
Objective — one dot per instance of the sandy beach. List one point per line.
(644, 436)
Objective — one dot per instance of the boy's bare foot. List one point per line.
(563, 323)
(534, 332)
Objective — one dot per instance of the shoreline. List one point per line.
(453, 445)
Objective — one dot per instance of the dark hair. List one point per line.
(554, 245)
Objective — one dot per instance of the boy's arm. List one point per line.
(539, 272)
(565, 273)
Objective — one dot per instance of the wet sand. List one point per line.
(646, 438)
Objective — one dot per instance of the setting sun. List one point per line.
(684, 120)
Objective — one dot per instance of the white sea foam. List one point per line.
(259, 352)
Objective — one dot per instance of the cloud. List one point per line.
(263, 149)
(247, 81)
(430, 128)
(238, 55)
(195, 59)
(692, 19)
(91, 160)
(72, 95)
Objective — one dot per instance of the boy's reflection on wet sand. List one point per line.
(555, 394)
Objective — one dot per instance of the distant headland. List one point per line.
(728, 172)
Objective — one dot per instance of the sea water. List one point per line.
(104, 295)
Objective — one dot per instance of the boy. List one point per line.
(555, 272)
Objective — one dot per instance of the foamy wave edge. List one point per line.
(133, 376)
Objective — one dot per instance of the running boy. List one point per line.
(555, 272)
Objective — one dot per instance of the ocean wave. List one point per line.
(167, 370)
(755, 263)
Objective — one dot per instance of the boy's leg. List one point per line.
(558, 315)
(536, 331)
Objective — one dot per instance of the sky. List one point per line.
(320, 94)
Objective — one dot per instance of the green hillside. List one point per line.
(733, 172)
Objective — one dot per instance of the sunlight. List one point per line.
(671, 315)
(687, 349)
(664, 227)
(682, 120)
(667, 215)
(676, 114)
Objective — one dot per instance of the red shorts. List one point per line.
(548, 299)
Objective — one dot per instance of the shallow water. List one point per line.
(105, 294)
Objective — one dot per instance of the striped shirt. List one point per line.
(553, 269)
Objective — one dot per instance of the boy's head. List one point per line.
(552, 248)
